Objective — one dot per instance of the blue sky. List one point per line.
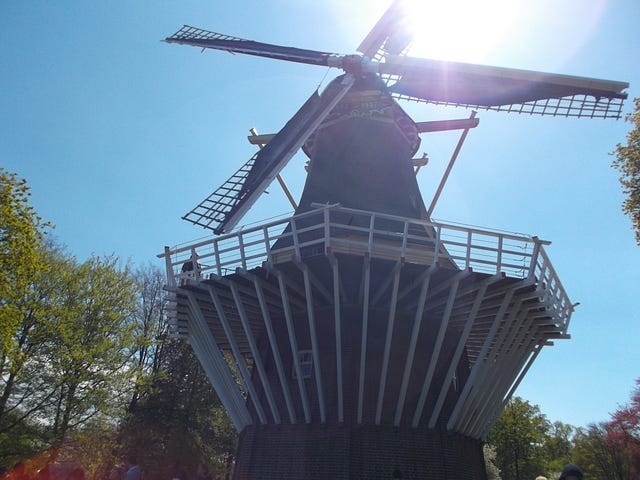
(120, 134)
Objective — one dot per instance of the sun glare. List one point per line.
(460, 30)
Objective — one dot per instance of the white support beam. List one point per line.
(366, 282)
(485, 361)
(338, 334)
(387, 343)
(212, 360)
(315, 350)
(453, 365)
(523, 372)
(503, 365)
(516, 354)
(239, 358)
(496, 414)
(293, 342)
(417, 323)
(313, 281)
(458, 409)
(513, 364)
(387, 282)
(257, 358)
(273, 343)
(414, 283)
(520, 349)
(475, 401)
(435, 354)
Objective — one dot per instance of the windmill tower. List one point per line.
(358, 339)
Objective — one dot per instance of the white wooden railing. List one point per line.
(375, 234)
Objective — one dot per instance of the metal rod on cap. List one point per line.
(449, 167)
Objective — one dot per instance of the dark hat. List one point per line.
(571, 469)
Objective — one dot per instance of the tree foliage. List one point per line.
(180, 423)
(526, 444)
(597, 456)
(558, 446)
(175, 420)
(623, 431)
(489, 452)
(68, 366)
(518, 437)
(628, 164)
(21, 238)
(88, 373)
(93, 342)
(151, 331)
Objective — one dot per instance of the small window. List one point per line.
(305, 358)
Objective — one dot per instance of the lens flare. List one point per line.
(460, 30)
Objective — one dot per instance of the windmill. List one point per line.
(368, 340)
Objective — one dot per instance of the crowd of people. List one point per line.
(130, 470)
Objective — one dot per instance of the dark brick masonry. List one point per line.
(311, 452)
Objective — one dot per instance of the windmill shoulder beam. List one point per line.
(260, 139)
(423, 127)
(443, 125)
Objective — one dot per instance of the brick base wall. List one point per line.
(312, 452)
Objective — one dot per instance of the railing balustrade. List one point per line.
(376, 234)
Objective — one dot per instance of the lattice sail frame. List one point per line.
(579, 106)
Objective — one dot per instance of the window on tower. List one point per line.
(305, 358)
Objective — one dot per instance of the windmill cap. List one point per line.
(571, 470)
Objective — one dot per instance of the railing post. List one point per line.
(267, 243)
(216, 252)
(437, 245)
(537, 245)
(243, 257)
(294, 234)
(499, 258)
(171, 279)
(195, 264)
(405, 233)
(468, 255)
(327, 228)
(372, 226)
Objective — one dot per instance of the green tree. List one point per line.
(68, 368)
(151, 330)
(93, 341)
(175, 420)
(518, 438)
(558, 445)
(21, 237)
(627, 162)
(493, 472)
(597, 456)
(623, 431)
(180, 423)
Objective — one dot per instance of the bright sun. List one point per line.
(460, 30)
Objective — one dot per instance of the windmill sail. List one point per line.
(197, 37)
(388, 36)
(505, 89)
(224, 208)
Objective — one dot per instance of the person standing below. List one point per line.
(571, 472)
(134, 472)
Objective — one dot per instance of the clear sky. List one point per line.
(119, 135)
